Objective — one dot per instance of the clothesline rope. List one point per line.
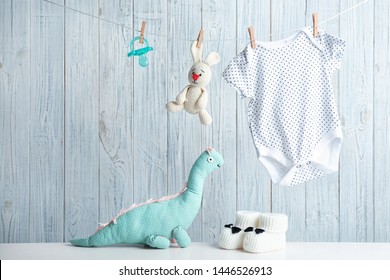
(190, 40)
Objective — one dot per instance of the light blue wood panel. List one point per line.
(219, 200)
(150, 96)
(322, 195)
(15, 82)
(285, 18)
(184, 129)
(381, 163)
(81, 120)
(96, 123)
(116, 93)
(253, 182)
(356, 110)
(47, 123)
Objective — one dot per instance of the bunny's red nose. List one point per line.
(195, 77)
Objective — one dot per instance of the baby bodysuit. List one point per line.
(292, 112)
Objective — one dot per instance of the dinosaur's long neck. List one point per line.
(196, 180)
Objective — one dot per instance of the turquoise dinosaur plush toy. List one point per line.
(158, 221)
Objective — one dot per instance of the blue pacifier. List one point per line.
(141, 53)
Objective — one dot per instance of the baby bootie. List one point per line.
(270, 235)
(232, 236)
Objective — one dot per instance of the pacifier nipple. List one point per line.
(143, 61)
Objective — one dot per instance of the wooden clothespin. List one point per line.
(200, 38)
(252, 37)
(315, 24)
(141, 37)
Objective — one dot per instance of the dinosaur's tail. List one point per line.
(83, 242)
(102, 237)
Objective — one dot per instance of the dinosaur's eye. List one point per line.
(210, 159)
(200, 74)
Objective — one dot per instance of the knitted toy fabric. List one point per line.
(232, 236)
(269, 236)
(157, 222)
(193, 98)
(255, 232)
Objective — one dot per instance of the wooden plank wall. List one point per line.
(85, 133)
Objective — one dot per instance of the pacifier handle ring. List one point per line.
(136, 39)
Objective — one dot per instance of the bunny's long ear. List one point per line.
(196, 52)
(212, 59)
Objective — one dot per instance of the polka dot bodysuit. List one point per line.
(292, 113)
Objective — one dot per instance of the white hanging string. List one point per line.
(89, 15)
(321, 22)
(190, 40)
(343, 12)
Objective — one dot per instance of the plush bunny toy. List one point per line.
(193, 98)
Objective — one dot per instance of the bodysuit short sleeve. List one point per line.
(334, 48)
(238, 74)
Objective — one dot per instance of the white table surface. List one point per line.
(196, 251)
